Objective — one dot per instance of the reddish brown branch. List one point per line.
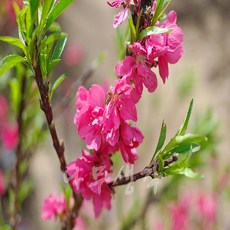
(151, 170)
(47, 109)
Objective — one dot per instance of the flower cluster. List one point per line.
(105, 119)
(53, 207)
(8, 131)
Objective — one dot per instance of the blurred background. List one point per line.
(202, 74)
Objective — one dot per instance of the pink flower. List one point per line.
(53, 206)
(79, 224)
(137, 69)
(89, 176)
(130, 139)
(89, 117)
(10, 136)
(120, 17)
(2, 184)
(180, 214)
(121, 107)
(207, 206)
(166, 47)
(72, 54)
(123, 14)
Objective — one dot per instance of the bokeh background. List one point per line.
(203, 74)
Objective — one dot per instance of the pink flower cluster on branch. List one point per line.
(105, 120)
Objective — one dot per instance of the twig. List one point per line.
(47, 109)
(18, 152)
(151, 170)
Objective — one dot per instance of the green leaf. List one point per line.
(51, 39)
(184, 126)
(161, 139)
(57, 10)
(57, 83)
(52, 64)
(188, 172)
(59, 48)
(9, 62)
(177, 167)
(153, 30)
(33, 7)
(46, 8)
(159, 8)
(13, 41)
(132, 29)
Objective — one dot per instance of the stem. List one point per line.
(47, 109)
(151, 170)
(19, 153)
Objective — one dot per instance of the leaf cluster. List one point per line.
(183, 145)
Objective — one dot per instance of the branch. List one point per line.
(151, 170)
(47, 109)
(19, 153)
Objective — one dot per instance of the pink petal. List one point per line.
(120, 17)
(163, 68)
(126, 66)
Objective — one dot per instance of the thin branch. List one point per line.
(47, 109)
(151, 170)
(19, 153)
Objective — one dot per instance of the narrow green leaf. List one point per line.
(13, 41)
(132, 29)
(161, 139)
(153, 30)
(188, 172)
(51, 39)
(57, 10)
(57, 83)
(59, 48)
(159, 8)
(9, 62)
(46, 8)
(33, 7)
(52, 64)
(184, 126)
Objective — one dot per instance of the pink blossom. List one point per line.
(10, 136)
(130, 139)
(207, 206)
(72, 54)
(121, 107)
(53, 206)
(180, 215)
(2, 184)
(123, 14)
(120, 17)
(167, 47)
(89, 176)
(89, 117)
(137, 69)
(79, 224)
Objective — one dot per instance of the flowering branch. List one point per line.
(151, 170)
